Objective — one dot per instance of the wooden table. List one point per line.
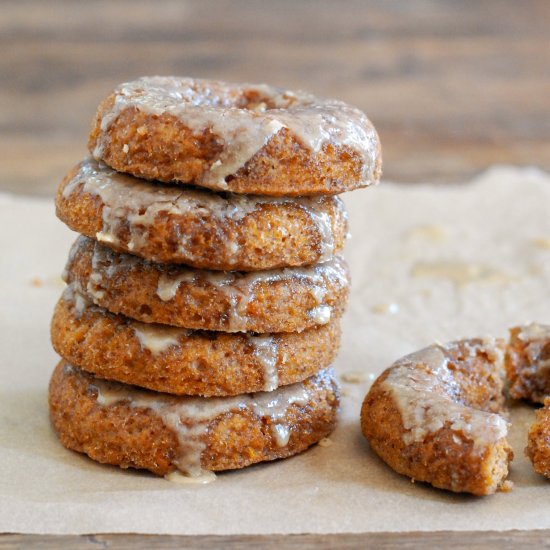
(453, 86)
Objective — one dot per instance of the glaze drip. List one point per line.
(190, 417)
(266, 350)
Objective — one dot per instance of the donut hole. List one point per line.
(254, 100)
(225, 96)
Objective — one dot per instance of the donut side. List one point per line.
(538, 440)
(528, 362)
(185, 362)
(433, 416)
(160, 146)
(284, 300)
(120, 425)
(199, 228)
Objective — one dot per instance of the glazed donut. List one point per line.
(186, 362)
(435, 416)
(117, 424)
(197, 227)
(282, 300)
(243, 138)
(528, 362)
(538, 442)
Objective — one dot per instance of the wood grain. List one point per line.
(470, 540)
(452, 86)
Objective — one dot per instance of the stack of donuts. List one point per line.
(204, 294)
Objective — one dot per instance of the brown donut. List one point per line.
(186, 362)
(434, 416)
(197, 227)
(528, 362)
(118, 424)
(538, 441)
(283, 300)
(244, 138)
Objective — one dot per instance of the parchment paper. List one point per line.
(409, 243)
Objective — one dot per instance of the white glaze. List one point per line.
(190, 417)
(281, 434)
(321, 314)
(80, 301)
(157, 338)
(244, 127)
(134, 204)
(266, 351)
(426, 394)
(181, 479)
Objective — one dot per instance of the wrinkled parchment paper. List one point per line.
(428, 262)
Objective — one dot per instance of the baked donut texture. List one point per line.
(197, 227)
(538, 441)
(244, 138)
(117, 424)
(434, 416)
(282, 300)
(185, 362)
(528, 362)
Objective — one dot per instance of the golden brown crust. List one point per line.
(527, 362)
(137, 437)
(161, 146)
(276, 301)
(441, 452)
(266, 235)
(538, 443)
(183, 362)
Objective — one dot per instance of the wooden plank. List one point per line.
(470, 540)
(452, 87)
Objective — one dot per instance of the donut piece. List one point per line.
(528, 362)
(118, 424)
(538, 442)
(434, 416)
(283, 300)
(243, 138)
(197, 227)
(185, 362)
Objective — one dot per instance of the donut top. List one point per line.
(429, 397)
(135, 204)
(245, 116)
(189, 417)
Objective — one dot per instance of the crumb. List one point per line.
(125, 148)
(353, 377)
(325, 442)
(391, 307)
(507, 486)
(37, 282)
